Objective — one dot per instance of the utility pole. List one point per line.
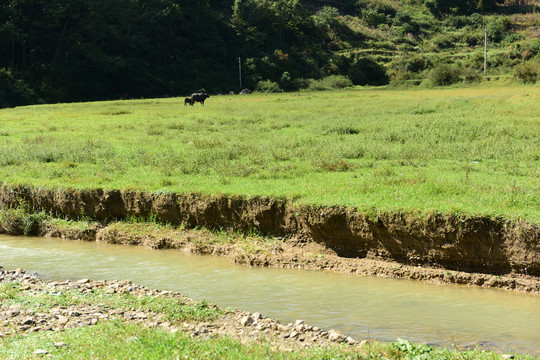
(485, 49)
(240, 71)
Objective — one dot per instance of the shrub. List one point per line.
(444, 41)
(330, 82)
(471, 76)
(14, 92)
(403, 75)
(366, 71)
(473, 37)
(384, 7)
(526, 72)
(444, 74)
(267, 86)
(21, 220)
(497, 27)
(426, 83)
(412, 63)
(372, 17)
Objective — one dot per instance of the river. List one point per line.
(362, 307)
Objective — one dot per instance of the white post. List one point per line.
(240, 71)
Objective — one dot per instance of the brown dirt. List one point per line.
(286, 253)
(438, 248)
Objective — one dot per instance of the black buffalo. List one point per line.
(188, 101)
(199, 97)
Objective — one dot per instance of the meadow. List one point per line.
(470, 151)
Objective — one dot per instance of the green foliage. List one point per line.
(14, 92)
(372, 17)
(330, 82)
(444, 41)
(413, 352)
(267, 86)
(365, 71)
(411, 63)
(497, 28)
(9, 291)
(97, 49)
(326, 16)
(486, 5)
(21, 220)
(287, 83)
(445, 7)
(470, 76)
(445, 74)
(383, 7)
(527, 72)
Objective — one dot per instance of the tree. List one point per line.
(440, 8)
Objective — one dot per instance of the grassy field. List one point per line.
(472, 151)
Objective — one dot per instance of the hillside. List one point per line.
(94, 49)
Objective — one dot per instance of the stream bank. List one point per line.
(439, 248)
(16, 319)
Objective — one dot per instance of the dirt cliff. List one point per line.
(487, 245)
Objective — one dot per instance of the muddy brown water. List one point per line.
(362, 307)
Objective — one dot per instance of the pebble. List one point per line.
(334, 335)
(363, 343)
(247, 321)
(15, 319)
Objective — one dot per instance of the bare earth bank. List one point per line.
(439, 248)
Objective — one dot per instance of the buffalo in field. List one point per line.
(199, 97)
(188, 101)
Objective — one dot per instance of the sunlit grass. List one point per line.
(474, 151)
(134, 341)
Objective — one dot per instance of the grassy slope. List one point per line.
(471, 151)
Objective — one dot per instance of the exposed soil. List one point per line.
(287, 253)
(437, 248)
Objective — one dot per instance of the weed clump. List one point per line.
(21, 220)
(527, 72)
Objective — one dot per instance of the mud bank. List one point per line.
(486, 245)
(280, 253)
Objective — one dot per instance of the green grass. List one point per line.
(172, 308)
(134, 341)
(472, 151)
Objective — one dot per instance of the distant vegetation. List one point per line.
(73, 50)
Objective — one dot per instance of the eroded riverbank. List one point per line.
(452, 242)
(437, 248)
